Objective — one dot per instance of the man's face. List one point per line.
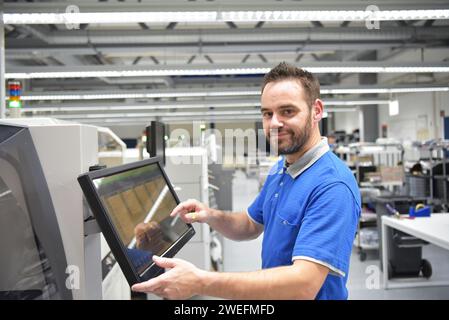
(287, 119)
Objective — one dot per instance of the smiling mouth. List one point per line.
(280, 135)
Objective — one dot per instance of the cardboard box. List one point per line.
(392, 174)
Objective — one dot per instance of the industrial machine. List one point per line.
(50, 247)
(111, 149)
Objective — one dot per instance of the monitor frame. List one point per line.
(110, 233)
(155, 144)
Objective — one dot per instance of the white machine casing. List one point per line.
(66, 150)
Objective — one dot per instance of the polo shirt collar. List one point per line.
(309, 158)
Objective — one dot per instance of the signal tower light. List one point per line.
(14, 88)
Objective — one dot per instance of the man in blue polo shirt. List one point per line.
(308, 210)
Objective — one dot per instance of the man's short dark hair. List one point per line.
(285, 71)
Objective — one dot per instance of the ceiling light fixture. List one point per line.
(84, 73)
(189, 105)
(382, 90)
(107, 95)
(136, 95)
(124, 116)
(221, 16)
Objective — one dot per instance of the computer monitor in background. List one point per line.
(155, 133)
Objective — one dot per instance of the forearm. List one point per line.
(233, 225)
(277, 283)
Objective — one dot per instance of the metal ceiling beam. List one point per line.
(136, 60)
(68, 60)
(171, 26)
(143, 83)
(317, 24)
(143, 26)
(240, 35)
(30, 52)
(231, 25)
(154, 59)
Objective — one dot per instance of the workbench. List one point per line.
(433, 229)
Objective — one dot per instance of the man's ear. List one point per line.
(317, 110)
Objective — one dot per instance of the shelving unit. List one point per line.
(364, 158)
(437, 182)
(367, 222)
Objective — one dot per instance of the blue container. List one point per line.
(423, 212)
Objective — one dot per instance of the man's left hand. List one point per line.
(182, 281)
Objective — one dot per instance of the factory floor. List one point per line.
(365, 278)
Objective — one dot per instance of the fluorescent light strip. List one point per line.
(106, 96)
(250, 104)
(140, 121)
(127, 116)
(221, 16)
(382, 90)
(136, 73)
(354, 102)
(163, 114)
(377, 69)
(222, 71)
(184, 119)
(62, 109)
(131, 107)
(139, 95)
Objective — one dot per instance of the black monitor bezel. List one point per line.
(155, 144)
(108, 229)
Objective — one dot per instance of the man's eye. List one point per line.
(287, 112)
(267, 114)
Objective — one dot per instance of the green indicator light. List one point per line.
(14, 104)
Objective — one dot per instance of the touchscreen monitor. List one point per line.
(132, 204)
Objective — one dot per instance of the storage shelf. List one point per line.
(417, 175)
(365, 246)
(441, 177)
(381, 184)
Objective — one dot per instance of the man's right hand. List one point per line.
(192, 211)
(232, 225)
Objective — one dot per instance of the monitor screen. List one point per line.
(135, 206)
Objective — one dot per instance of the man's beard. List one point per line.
(298, 140)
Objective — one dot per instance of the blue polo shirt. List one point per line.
(310, 211)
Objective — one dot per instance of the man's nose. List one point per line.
(275, 122)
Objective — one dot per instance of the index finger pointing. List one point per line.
(184, 207)
(147, 286)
